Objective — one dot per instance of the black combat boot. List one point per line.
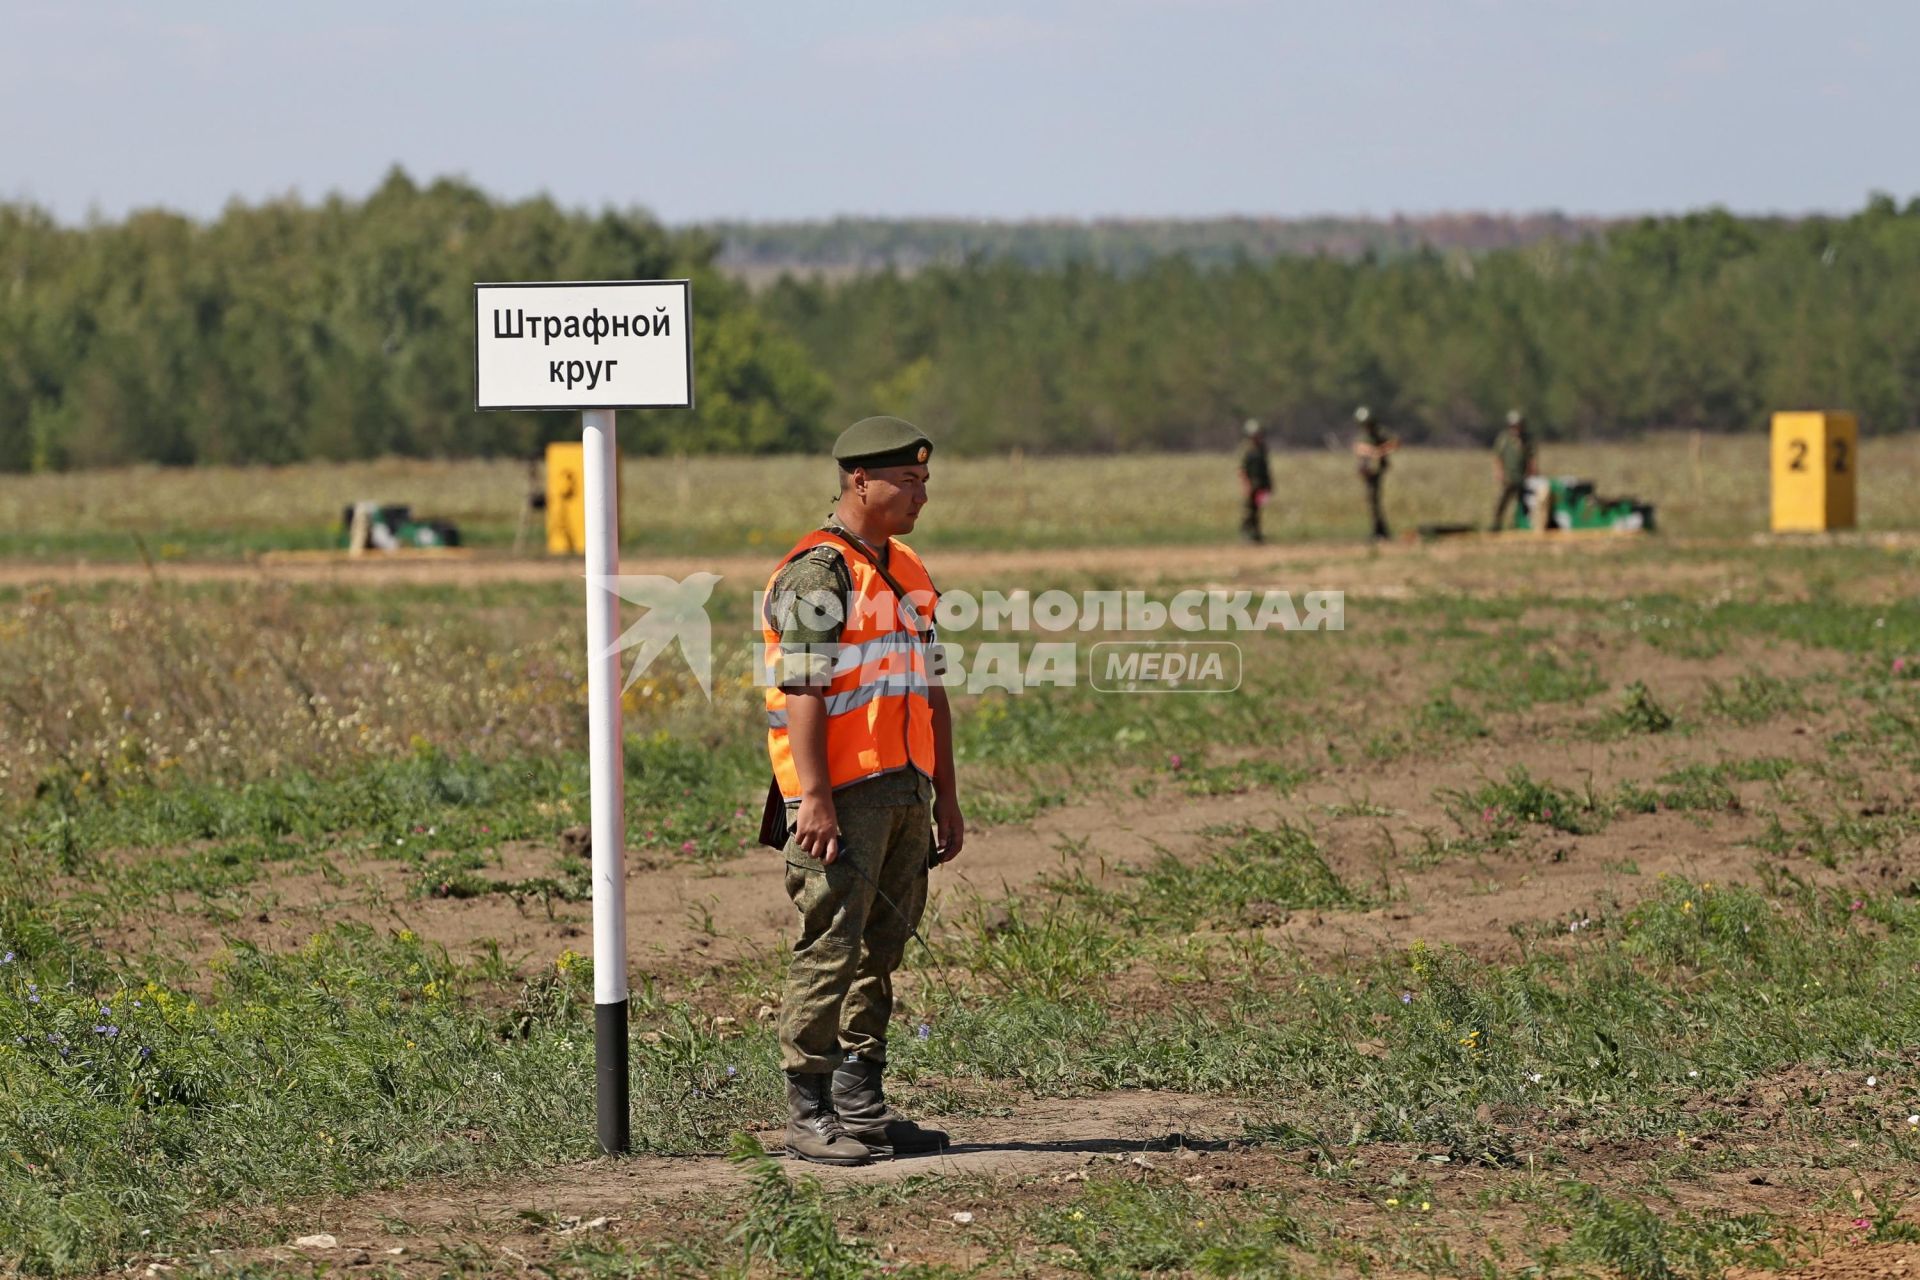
(814, 1132)
(863, 1109)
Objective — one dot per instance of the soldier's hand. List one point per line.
(816, 829)
(949, 827)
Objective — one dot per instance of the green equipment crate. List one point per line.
(384, 526)
(1571, 503)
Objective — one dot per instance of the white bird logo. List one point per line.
(675, 610)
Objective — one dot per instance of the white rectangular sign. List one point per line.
(601, 344)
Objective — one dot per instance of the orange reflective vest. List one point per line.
(879, 719)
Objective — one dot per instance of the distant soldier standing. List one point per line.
(861, 741)
(1371, 446)
(1256, 477)
(535, 506)
(1514, 462)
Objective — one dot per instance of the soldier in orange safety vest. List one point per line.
(863, 801)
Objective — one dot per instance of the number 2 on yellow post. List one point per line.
(1815, 457)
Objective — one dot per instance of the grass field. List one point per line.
(735, 504)
(1558, 916)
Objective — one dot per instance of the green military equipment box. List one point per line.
(378, 526)
(1570, 503)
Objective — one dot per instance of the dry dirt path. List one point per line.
(1484, 562)
(1481, 565)
(1047, 1135)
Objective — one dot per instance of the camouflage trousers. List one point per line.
(840, 981)
(1512, 493)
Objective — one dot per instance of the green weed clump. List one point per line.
(1443, 717)
(1699, 787)
(1725, 928)
(1628, 1238)
(1500, 812)
(788, 1226)
(1514, 677)
(458, 876)
(1241, 776)
(1641, 712)
(1841, 832)
(1049, 956)
(1251, 873)
(1126, 1228)
(1754, 697)
(1249, 876)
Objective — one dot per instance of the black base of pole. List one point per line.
(610, 1078)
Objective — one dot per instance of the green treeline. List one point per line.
(841, 245)
(284, 331)
(1707, 321)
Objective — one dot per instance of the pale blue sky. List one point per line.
(1071, 108)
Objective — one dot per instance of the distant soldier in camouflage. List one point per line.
(1371, 446)
(1514, 461)
(861, 741)
(1256, 478)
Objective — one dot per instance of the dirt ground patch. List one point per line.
(1386, 829)
(1479, 564)
(528, 1217)
(960, 1206)
(680, 917)
(1845, 1255)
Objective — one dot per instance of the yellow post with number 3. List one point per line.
(1815, 457)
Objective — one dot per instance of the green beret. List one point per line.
(881, 442)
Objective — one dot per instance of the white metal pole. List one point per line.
(608, 780)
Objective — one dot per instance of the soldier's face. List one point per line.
(894, 495)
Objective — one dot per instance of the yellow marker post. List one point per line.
(1815, 457)
(566, 500)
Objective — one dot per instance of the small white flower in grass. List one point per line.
(1872, 1081)
(1534, 1078)
(1913, 1119)
(1693, 1075)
